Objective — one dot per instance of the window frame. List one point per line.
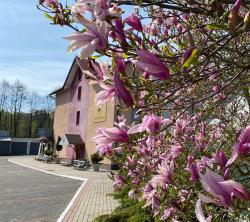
(78, 114)
(79, 93)
(79, 74)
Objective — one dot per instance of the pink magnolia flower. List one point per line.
(49, 3)
(154, 29)
(192, 169)
(122, 91)
(220, 158)
(107, 136)
(216, 89)
(164, 176)
(242, 147)
(101, 70)
(104, 9)
(121, 123)
(132, 194)
(95, 38)
(152, 200)
(120, 65)
(100, 9)
(179, 28)
(199, 213)
(104, 151)
(119, 34)
(167, 213)
(131, 161)
(104, 95)
(165, 31)
(150, 123)
(237, 5)
(175, 151)
(134, 22)
(151, 64)
(119, 181)
(223, 192)
(118, 150)
(81, 6)
(174, 20)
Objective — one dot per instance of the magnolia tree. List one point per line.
(183, 66)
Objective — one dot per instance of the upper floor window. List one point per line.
(79, 93)
(79, 73)
(77, 117)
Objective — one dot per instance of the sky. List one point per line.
(32, 50)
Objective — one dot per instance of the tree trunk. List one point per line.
(30, 124)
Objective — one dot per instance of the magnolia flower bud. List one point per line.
(179, 28)
(153, 29)
(233, 19)
(247, 20)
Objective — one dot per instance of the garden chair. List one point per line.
(79, 165)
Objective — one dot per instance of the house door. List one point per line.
(80, 151)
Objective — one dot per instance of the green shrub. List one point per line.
(96, 158)
(128, 211)
(48, 152)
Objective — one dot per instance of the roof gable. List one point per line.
(86, 69)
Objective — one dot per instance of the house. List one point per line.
(76, 116)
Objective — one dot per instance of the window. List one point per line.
(134, 115)
(77, 117)
(79, 73)
(79, 94)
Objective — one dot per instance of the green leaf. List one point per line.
(167, 52)
(217, 27)
(48, 16)
(95, 56)
(124, 55)
(192, 59)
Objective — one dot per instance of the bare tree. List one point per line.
(18, 95)
(33, 104)
(49, 105)
(4, 94)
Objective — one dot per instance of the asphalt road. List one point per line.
(28, 195)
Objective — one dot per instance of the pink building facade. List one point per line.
(76, 116)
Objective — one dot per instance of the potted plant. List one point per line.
(48, 152)
(95, 159)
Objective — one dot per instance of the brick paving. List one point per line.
(92, 201)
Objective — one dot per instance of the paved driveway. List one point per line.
(28, 195)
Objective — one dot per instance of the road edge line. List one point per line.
(64, 213)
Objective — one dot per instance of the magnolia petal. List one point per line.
(236, 189)
(199, 213)
(206, 199)
(234, 156)
(89, 49)
(122, 90)
(135, 129)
